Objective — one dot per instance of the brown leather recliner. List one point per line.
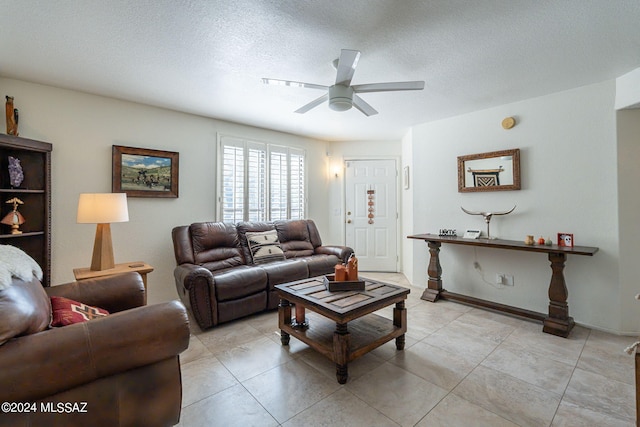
(118, 370)
(218, 277)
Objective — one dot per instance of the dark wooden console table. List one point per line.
(557, 322)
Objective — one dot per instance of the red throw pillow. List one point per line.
(67, 312)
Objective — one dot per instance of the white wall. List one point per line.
(569, 184)
(82, 129)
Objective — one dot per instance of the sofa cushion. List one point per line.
(285, 271)
(294, 238)
(216, 245)
(238, 282)
(321, 264)
(25, 309)
(264, 247)
(66, 311)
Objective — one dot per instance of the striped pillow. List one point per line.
(265, 247)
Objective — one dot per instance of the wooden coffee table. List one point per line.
(327, 331)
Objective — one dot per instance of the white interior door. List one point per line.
(370, 213)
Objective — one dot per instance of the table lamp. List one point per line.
(102, 209)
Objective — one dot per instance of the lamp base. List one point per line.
(102, 258)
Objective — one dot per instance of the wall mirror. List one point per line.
(494, 171)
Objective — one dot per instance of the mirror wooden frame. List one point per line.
(515, 166)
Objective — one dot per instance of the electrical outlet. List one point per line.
(504, 279)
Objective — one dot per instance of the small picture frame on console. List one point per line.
(565, 239)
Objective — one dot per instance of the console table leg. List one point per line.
(434, 283)
(558, 322)
(340, 351)
(284, 318)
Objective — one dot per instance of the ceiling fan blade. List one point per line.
(292, 83)
(388, 87)
(363, 106)
(346, 66)
(312, 104)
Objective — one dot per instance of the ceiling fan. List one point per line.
(342, 95)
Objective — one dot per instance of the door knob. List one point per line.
(348, 221)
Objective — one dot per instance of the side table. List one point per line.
(138, 266)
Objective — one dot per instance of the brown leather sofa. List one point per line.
(217, 277)
(118, 370)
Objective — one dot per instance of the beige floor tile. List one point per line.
(601, 394)
(570, 415)
(288, 389)
(472, 348)
(253, 358)
(489, 329)
(202, 378)
(196, 350)
(433, 364)
(228, 335)
(565, 350)
(386, 389)
(342, 409)
(357, 368)
(508, 397)
(231, 407)
(525, 364)
(453, 411)
(423, 321)
(504, 318)
(388, 350)
(266, 322)
(604, 354)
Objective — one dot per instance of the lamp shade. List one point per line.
(102, 208)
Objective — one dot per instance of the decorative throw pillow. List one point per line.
(67, 312)
(265, 247)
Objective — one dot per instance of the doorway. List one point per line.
(371, 218)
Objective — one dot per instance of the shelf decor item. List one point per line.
(14, 218)
(16, 175)
(12, 117)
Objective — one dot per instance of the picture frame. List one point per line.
(565, 239)
(143, 172)
(492, 171)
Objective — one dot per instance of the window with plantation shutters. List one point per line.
(260, 181)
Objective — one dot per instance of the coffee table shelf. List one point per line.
(366, 333)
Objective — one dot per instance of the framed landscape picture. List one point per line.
(142, 172)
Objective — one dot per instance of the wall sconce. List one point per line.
(102, 209)
(335, 170)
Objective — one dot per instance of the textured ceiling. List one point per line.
(208, 57)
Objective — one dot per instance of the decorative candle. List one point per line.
(340, 273)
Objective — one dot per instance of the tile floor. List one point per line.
(461, 366)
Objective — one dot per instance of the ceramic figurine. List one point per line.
(528, 240)
(548, 242)
(541, 240)
(12, 117)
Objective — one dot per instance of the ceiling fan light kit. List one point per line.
(342, 96)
